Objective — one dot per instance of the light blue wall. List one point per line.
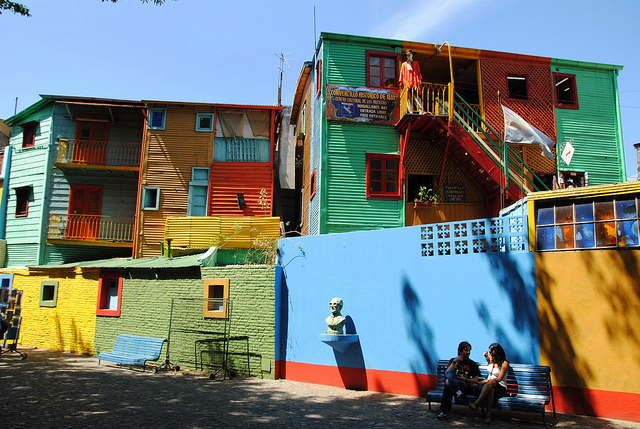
(409, 310)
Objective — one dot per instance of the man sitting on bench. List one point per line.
(462, 377)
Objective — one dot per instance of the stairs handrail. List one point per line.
(483, 126)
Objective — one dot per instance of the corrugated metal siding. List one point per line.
(233, 232)
(21, 255)
(593, 127)
(312, 135)
(119, 189)
(119, 195)
(227, 179)
(313, 150)
(343, 189)
(24, 234)
(313, 157)
(347, 62)
(348, 208)
(170, 155)
(62, 254)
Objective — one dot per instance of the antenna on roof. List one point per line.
(315, 33)
(283, 60)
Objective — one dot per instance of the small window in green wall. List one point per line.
(48, 293)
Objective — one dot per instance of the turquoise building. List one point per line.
(73, 180)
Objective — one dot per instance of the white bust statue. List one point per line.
(335, 322)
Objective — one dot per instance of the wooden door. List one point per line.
(91, 142)
(85, 206)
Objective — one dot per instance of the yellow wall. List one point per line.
(589, 318)
(70, 326)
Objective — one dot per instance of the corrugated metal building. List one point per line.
(361, 172)
(204, 160)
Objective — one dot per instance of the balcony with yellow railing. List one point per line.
(91, 230)
(430, 99)
(98, 154)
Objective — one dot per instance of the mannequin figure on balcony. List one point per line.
(411, 79)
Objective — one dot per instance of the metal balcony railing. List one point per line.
(431, 99)
(100, 153)
(91, 228)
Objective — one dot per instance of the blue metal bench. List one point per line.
(133, 350)
(529, 389)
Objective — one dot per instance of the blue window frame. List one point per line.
(150, 198)
(157, 118)
(198, 192)
(204, 122)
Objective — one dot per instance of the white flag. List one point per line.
(517, 130)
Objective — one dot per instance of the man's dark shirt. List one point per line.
(467, 368)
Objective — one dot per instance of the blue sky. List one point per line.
(226, 51)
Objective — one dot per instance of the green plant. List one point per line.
(427, 194)
(263, 200)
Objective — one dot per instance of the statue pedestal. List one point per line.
(339, 342)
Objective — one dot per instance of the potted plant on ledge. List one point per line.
(426, 197)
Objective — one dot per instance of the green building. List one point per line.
(379, 152)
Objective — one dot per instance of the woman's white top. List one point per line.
(493, 371)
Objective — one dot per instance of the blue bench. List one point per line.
(529, 389)
(133, 350)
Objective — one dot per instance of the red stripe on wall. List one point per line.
(600, 403)
(403, 383)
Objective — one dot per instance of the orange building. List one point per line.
(204, 160)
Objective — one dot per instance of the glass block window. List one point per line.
(588, 225)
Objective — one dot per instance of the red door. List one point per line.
(91, 142)
(85, 206)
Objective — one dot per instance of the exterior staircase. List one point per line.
(477, 150)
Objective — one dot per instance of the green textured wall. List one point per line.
(595, 126)
(343, 159)
(348, 208)
(24, 235)
(147, 308)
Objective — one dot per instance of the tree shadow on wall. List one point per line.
(621, 293)
(540, 319)
(523, 302)
(614, 275)
(421, 334)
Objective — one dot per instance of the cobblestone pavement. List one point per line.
(62, 390)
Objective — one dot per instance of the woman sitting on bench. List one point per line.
(495, 386)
